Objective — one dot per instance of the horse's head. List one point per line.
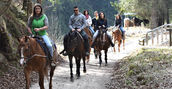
(102, 31)
(24, 48)
(73, 41)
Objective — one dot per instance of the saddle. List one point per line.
(44, 46)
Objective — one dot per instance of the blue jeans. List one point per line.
(96, 33)
(48, 43)
(91, 29)
(122, 29)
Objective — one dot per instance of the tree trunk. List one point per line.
(155, 15)
(168, 17)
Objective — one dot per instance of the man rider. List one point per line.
(77, 22)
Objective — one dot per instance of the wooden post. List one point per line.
(147, 39)
(152, 38)
(157, 32)
(162, 38)
(170, 36)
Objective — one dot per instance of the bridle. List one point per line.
(27, 58)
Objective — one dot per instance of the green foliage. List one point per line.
(63, 9)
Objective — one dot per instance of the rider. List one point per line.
(77, 22)
(118, 23)
(89, 21)
(94, 20)
(102, 22)
(38, 24)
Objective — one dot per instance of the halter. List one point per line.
(27, 58)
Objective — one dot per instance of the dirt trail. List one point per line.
(96, 77)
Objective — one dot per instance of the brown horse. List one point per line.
(90, 39)
(117, 35)
(76, 48)
(34, 59)
(102, 43)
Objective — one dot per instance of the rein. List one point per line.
(38, 55)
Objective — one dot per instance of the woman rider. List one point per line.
(88, 21)
(102, 22)
(38, 24)
(118, 23)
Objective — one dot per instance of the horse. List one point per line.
(90, 39)
(33, 58)
(117, 35)
(75, 49)
(102, 43)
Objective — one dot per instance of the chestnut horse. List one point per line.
(34, 59)
(75, 48)
(90, 39)
(117, 35)
(102, 43)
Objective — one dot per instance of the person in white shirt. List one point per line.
(88, 21)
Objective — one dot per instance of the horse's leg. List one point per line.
(27, 76)
(41, 79)
(95, 53)
(106, 57)
(100, 58)
(114, 45)
(46, 72)
(88, 57)
(51, 76)
(84, 67)
(78, 66)
(119, 43)
(124, 44)
(71, 65)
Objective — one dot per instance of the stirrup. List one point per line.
(62, 52)
(53, 63)
(87, 53)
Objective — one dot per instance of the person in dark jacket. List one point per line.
(118, 23)
(94, 20)
(102, 23)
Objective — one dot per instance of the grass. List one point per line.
(145, 69)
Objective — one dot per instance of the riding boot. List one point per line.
(93, 43)
(110, 40)
(86, 46)
(123, 35)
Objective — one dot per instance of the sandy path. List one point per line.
(96, 77)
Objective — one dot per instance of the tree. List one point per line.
(157, 11)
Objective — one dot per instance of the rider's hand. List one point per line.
(36, 29)
(103, 25)
(73, 30)
(79, 30)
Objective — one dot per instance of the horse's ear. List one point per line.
(18, 39)
(26, 38)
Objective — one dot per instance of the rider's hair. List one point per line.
(34, 9)
(103, 14)
(95, 11)
(85, 12)
(75, 7)
(119, 16)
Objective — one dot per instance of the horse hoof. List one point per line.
(78, 77)
(71, 79)
(84, 71)
(105, 64)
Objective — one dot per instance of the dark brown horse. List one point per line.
(90, 39)
(34, 59)
(102, 43)
(76, 49)
(117, 35)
